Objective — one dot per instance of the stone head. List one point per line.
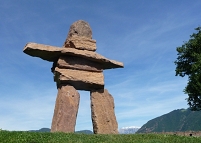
(80, 28)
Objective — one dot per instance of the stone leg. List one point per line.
(66, 108)
(102, 112)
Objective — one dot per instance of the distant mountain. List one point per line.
(178, 120)
(41, 130)
(128, 130)
(84, 132)
(48, 130)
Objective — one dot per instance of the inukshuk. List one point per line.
(76, 66)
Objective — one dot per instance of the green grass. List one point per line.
(35, 137)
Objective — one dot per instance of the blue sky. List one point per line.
(142, 34)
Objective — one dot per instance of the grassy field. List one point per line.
(34, 137)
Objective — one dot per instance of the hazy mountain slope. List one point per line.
(177, 120)
(41, 130)
(48, 130)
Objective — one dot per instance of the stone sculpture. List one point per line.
(76, 66)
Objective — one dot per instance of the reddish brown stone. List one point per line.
(81, 80)
(73, 62)
(81, 43)
(51, 53)
(80, 28)
(66, 108)
(77, 64)
(102, 111)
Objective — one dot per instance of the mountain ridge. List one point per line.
(129, 130)
(48, 130)
(177, 120)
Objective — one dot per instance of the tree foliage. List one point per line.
(189, 63)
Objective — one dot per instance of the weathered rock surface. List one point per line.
(80, 28)
(81, 80)
(51, 53)
(66, 108)
(77, 66)
(80, 37)
(102, 111)
(73, 62)
(81, 43)
(45, 52)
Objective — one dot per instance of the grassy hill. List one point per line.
(47, 137)
(178, 120)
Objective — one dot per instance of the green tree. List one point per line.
(189, 63)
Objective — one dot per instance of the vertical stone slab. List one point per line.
(102, 112)
(66, 108)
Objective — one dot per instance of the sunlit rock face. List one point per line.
(66, 108)
(76, 66)
(102, 112)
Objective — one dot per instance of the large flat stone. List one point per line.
(45, 52)
(102, 112)
(51, 53)
(81, 80)
(66, 108)
(73, 62)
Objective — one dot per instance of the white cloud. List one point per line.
(28, 111)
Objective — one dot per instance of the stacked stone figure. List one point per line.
(76, 66)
